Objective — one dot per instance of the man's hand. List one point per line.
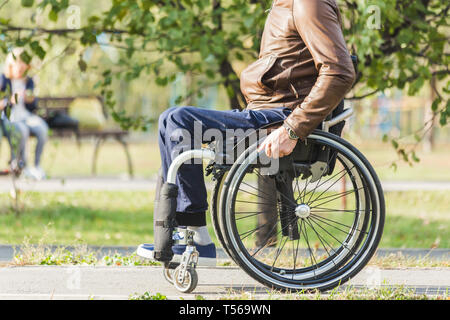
(278, 144)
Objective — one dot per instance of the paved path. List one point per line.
(78, 184)
(139, 184)
(85, 282)
(100, 282)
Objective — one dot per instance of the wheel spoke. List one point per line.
(334, 198)
(333, 182)
(317, 218)
(250, 232)
(324, 210)
(336, 222)
(321, 239)
(249, 215)
(335, 195)
(296, 178)
(279, 249)
(330, 186)
(252, 202)
(294, 253)
(342, 244)
(290, 200)
(249, 212)
(311, 254)
(256, 195)
(314, 190)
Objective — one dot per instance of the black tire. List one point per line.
(338, 265)
(214, 211)
(190, 281)
(168, 275)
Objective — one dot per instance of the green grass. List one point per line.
(385, 292)
(417, 219)
(64, 158)
(100, 218)
(433, 166)
(148, 296)
(413, 220)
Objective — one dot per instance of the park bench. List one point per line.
(48, 107)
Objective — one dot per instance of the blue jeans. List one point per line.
(192, 195)
(18, 134)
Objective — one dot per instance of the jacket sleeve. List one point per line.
(31, 106)
(318, 24)
(3, 83)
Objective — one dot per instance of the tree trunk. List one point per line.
(232, 85)
(428, 139)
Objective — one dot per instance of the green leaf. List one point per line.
(4, 20)
(53, 15)
(161, 81)
(27, 3)
(435, 104)
(210, 74)
(394, 144)
(8, 111)
(404, 155)
(443, 118)
(417, 137)
(394, 166)
(82, 64)
(25, 57)
(37, 49)
(93, 20)
(239, 56)
(179, 99)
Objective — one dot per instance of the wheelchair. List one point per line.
(327, 205)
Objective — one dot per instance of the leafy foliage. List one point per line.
(400, 43)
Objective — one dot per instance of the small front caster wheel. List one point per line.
(190, 280)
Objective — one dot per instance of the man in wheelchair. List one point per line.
(303, 72)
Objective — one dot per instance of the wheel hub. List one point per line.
(302, 211)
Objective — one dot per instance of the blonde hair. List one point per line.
(13, 57)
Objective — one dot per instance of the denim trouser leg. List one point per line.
(39, 128)
(192, 196)
(17, 134)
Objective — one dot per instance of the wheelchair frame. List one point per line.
(184, 276)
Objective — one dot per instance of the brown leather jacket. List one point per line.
(303, 63)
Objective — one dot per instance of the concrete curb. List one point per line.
(7, 252)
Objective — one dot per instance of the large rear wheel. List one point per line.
(330, 215)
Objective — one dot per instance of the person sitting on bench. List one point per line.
(22, 121)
